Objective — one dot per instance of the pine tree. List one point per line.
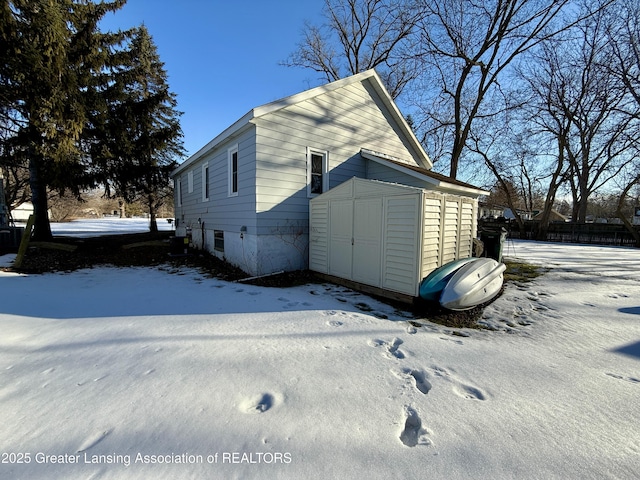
(141, 134)
(53, 50)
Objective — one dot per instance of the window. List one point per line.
(233, 171)
(190, 181)
(317, 176)
(178, 192)
(205, 182)
(218, 240)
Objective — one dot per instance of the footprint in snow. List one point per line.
(618, 295)
(626, 379)
(391, 349)
(468, 391)
(460, 388)
(413, 434)
(418, 377)
(258, 403)
(93, 440)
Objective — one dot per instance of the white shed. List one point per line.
(386, 235)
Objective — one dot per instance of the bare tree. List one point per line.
(469, 47)
(359, 35)
(623, 39)
(601, 140)
(549, 126)
(513, 162)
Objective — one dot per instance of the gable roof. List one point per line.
(436, 179)
(369, 76)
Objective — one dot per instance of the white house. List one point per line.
(22, 212)
(245, 195)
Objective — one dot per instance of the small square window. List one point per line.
(218, 240)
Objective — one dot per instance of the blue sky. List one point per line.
(223, 56)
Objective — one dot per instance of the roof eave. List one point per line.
(408, 132)
(226, 134)
(442, 185)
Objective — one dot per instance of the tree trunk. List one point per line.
(41, 227)
(543, 223)
(630, 227)
(122, 206)
(153, 224)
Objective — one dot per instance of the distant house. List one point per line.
(22, 212)
(553, 217)
(245, 195)
(490, 212)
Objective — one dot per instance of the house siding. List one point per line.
(202, 217)
(340, 122)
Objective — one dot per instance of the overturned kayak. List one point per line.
(473, 284)
(432, 285)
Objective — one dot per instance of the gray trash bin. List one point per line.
(493, 243)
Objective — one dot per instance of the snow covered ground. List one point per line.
(133, 373)
(106, 226)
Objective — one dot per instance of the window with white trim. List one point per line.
(205, 182)
(232, 155)
(190, 182)
(178, 190)
(218, 241)
(317, 171)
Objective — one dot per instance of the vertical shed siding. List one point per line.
(318, 236)
(431, 234)
(465, 247)
(401, 243)
(450, 231)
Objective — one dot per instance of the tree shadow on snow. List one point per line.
(631, 310)
(631, 350)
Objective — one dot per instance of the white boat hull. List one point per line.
(432, 285)
(475, 283)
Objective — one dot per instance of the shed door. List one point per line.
(367, 241)
(341, 238)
